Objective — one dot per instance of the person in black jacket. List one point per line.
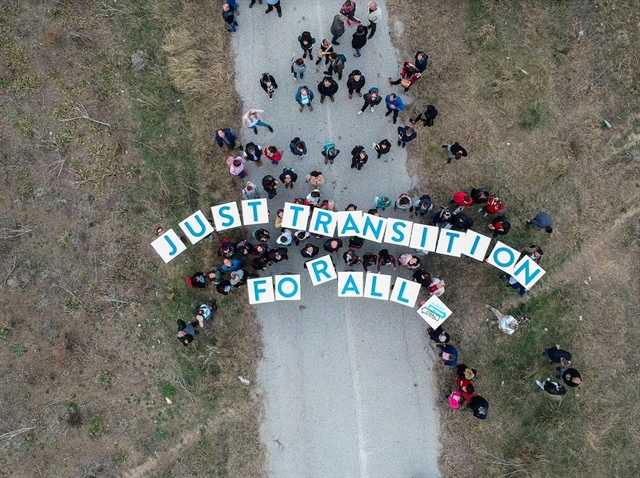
(355, 82)
(383, 147)
(268, 84)
(288, 177)
(422, 277)
(570, 376)
(226, 137)
(187, 332)
(406, 134)
(358, 157)
(369, 260)
(270, 185)
(309, 251)
(306, 43)
(333, 244)
(327, 87)
(552, 388)
(480, 196)
(479, 406)
(253, 152)
(277, 255)
(428, 116)
(359, 39)
(455, 151)
(557, 355)
(371, 98)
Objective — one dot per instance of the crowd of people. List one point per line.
(242, 260)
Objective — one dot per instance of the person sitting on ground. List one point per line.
(551, 387)
(408, 76)
(479, 406)
(449, 354)
(455, 399)
(507, 323)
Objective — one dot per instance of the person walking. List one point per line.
(250, 191)
(359, 40)
(507, 323)
(236, 166)
(327, 87)
(228, 15)
(383, 147)
(298, 67)
(336, 65)
(226, 137)
(298, 148)
(570, 376)
(268, 84)
(500, 226)
(408, 76)
(551, 387)
(462, 200)
(187, 332)
(348, 9)
(374, 15)
(337, 29)
(557, 355)
(421, 61)
(306, 43)
(382, 202)
(406, 134)
(330, 152)
(326, 48)
(359, 157)
(371, 99)
(253, 152)
(449, 354)
(455, 151)
(288, 178)
(427, 117)
(332, 245)
(386, 259)
(274, 4)
(304, 97)
(543, 221)
(394, 105)
(252, 120)
(270, 186)
(355, 82)
(272, 154)
(315, 179)
(494, 206)
(479, 406)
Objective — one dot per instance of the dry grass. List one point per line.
(581, 67)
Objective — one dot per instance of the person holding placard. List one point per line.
(332, 245)
(386, 259)
(369, 260)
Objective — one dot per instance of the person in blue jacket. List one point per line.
(394, 105)
(406, 134)
(304, 97)
(449, 354)
(231, 265)
(298, 148)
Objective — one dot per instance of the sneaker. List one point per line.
(310, 107)
(390, 80)
(480, 210)
(388, 113)
(322, 100)
(270, 98)
(395, 120)
(348, 22)
(270, 128)
(326, 73)
(358, 21)
(335, 43)
(332, 99)
(539, 383)
(359, 112)
(255, 130)
(372, 109)
(487, 306)
(301, 108)
(359, 94)
(375, 146)
(350, 95)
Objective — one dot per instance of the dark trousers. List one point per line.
(277, 7)
(395, 113)
(372, 30)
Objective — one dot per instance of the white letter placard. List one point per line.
(321, 270)
(450, 242)
(260, 290)
(377, 286)
(323, 222)
(527, 272)
(226, 216)
(398, 232)
(504, 258)
(288, 287)
(475, 245)
(434, 312)
(295, 216)
(424, 238)
(373, 227)
(169, 246)
(405, 292)
(196, 227)
(349, 223)
(350, 284)
(255, 211)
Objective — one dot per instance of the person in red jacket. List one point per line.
(494, 206)
(272, 154)
(462, 199)
(408, 76)
(466, 388)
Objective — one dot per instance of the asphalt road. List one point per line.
(347, 382)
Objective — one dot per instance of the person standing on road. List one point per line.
(374, 16)
(332, 245)
(336, 65)
(252, 120)
(507, 323)
(326, 48)
(288, 178)
(371, 99)
(543, 221)
(304, 97)
(274, 4)
(315, 179)
(226, 137)
(383, 147)
(409, 261)
(228, 16)
(406, 134)
(250, 191)
(355, 82)
(330, 152)
(394, 105)
(422, 205)
(479, 195)
(386, 259)
(455, 151)
(298, 148)
(382, 202)
(408, 76)
(253, 2)
(403, 202)
(348, 9)
(423, 278)
(270, 186)
(359, 157)
(298, 67)
(337, 29)
(327, 87)
(359, 40)
(306, 43)
(268, 84)
(557, 355)
(351, 259)
(272, 154)
(427, 117)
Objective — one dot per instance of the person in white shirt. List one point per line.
(374, 15)
(507, 323)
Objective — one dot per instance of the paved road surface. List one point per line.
(346, 381)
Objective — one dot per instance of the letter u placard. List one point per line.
(196, 227)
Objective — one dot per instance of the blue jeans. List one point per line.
(260, 123)
(334, 40)
(357, 51)
(233, 26)
(295, 75)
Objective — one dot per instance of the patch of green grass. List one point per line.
(4, 333)
(96, 425)
(103, 378)
(19, 350)
(64, 239)
(166, 389)
(25, 127)
(532, 115)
